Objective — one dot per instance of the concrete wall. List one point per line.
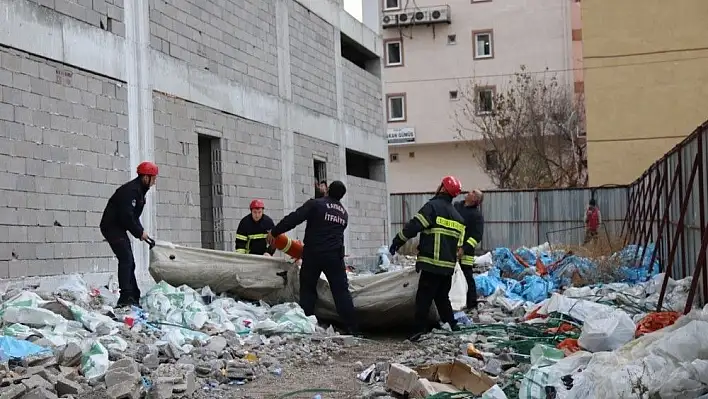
(312, 60)
(63, 149)
(626, 45)
(82, 105)
(362, 98)
(369, 208)
(423, 172)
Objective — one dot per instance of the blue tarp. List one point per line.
(535, 288)
(13, 348)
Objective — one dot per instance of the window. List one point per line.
(320, 176)
(491, 160)
(392, 4)
(396, 104)
(485, 100)
(411, 154)
(393, 157)
(453, 95)
(482, 43)
(394, 53)
(365, 166)
(451, 39)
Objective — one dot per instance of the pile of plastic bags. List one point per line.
(532, 274)
(669, 363)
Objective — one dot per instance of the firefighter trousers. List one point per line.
(129, 291)
(471, 287)
(333, 268)
(433, 287)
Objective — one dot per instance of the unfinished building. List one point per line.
(234, 99)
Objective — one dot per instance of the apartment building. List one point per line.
(432, 50)
(234, 99)
(646, 82)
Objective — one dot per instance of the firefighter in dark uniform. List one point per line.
(323, 251)
(252, 232)
(123, 214)
(474, 229)
(441, 231)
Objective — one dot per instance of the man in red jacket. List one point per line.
(592, 221)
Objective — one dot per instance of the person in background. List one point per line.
(592, 221)
(323, 251)
(253, 230)
(323, 187)
(474, 229)
(441, 231)
(122, 214)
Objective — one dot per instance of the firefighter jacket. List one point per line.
(474, 228)
(123, 211)
(326, 221)
(441, 231)
(251, 235)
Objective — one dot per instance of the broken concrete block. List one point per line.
(123, 379)
(13, 391)
(216, 344)
(71, 356)
(162, 390)
(124, 391)
(65, 386)
(36, 381)
(151, 361)
(68, 372)
(40, 393)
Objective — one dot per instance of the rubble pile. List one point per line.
(548, 331)
(72, 343)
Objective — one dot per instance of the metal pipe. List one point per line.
(702, 210)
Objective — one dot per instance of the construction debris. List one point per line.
(527, 338)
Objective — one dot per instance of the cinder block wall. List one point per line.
(88, 89)
(362, 98)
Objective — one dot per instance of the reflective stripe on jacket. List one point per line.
(441, 231)
(251, 235)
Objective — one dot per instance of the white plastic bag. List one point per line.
(494, 393)
(94, 361)
(606, 331)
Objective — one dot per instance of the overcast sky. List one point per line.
(353, 7)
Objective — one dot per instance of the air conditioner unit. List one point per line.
(389, 20)
(420, 16)
(406, 18)
(439, 14)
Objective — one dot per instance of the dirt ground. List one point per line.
(339, 376)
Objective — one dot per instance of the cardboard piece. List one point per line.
(457, 375)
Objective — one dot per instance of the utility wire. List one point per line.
(552, 70)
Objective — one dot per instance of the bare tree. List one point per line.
(525, 134)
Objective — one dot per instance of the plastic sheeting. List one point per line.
(381, 300)
(521, 281)
(669, 363)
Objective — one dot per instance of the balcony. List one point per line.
(416, 16)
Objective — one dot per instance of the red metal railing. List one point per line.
(667, 207)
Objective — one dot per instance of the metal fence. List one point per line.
(530, 217)
(666, 205)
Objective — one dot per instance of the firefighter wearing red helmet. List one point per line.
(253, 230)
(122, 214)
(441, 231)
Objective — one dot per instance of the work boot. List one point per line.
(125, 302)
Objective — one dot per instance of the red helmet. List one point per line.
(452, 185)
(256, 204)
(147, 168)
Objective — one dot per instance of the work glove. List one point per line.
(393, 249)
(417, 267)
